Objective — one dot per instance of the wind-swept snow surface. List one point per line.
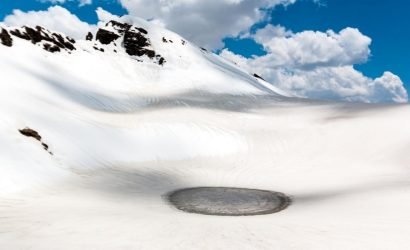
(125, 130)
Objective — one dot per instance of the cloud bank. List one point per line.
(204, 22)
(320, 65)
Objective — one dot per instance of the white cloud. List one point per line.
(341, 83)
(85, 2)
(320, 65)
(203, 22)
(81, 2)
(56, 18)
(105, 16)
(310, 49)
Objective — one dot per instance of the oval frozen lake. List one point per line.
(227, 201)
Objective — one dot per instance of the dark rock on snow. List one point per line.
(258, 76)
(99, 49)
(55, 42)
(89, 36)
(5, 38)
(143, 31)
(106, 37)
(120, 27)
(30, 133)
(51, 48)
(34, 134)
(134, 41)
(161, 61)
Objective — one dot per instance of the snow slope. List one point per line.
(124, 130)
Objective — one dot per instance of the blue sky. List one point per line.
(387, 23)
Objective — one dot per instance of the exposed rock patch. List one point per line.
(52, 42)
(51, 48)
(99, 49)
(34, 134)
(106, 37)
(135, 40)
(30, 133)
(5, 38)
(161, 61)
(258, 76)
(164, 40)
(143, 31)
(89, 36)
(121, 27)
(135, 44)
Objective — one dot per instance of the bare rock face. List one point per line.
(52, 42)
(5, 38)
(106, 37)
(135, 44)
(135, 40)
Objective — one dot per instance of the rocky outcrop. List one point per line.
(52, 42)
(106, 37)
(135, 40)
(135, 44)
(5, 38)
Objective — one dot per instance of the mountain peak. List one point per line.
(133, 39)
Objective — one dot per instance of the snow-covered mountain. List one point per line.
(94, 132)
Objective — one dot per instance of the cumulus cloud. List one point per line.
(56, 18)
(310, 49)
(203, 22)
(320, 65)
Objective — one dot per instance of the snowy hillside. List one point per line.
(95, 132)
